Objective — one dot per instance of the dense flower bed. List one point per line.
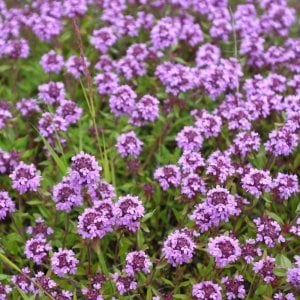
(149, 149)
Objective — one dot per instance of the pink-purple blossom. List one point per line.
(224, 249)
(179, 248)
(25, 178)
(64, 262)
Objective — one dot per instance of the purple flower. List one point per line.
(37, 249)
(63, 262)
(192, 185)
(256, 182)
(276, 56)
(176, 78)
(246, 21)
(145, 20)
(122, 102)
(214, 80)
(25, 178)
(284, 186)
(207, 54)
(23, 281)
(103, 38)
(69, 111)
(27, 107)
(52, 62)
(268, 231)
(190, 32)
(50, 125)
(64, 295)
(238, 118)
(96, 222)
(224, 249)
(52, 92)
(253, 47)
(207, 290)
(129, 211)
(138, 51)
(219, 165)
(46, 283)
(276, 82)
(39, 229)
(4, 291)
(291, 104)
(265, 268)
(245, 142)
(250, 251)
(296, 228)
(204, 216)
(178, 248)
(293, 274)
(129, 67)
(16, 49)
(189, 139)
(278, 19)
(102, 191)
(295, 83)
(7, 206)
(281, 296)
(168, 176)
(128, 144)
(283, 141)
(84, 170)
(97, 281)
(105, 64)
(191, 162)
(209, 125)
(106, 83)
(74, 8)
(124, 283)
(240, 202)
(53, 8)
(8, 161)
(223, 202)
(126, 25)
(5, 114)
(45, 27)
(234, 287)
(77, 65)
(137, 261)
(66, 195)
(91, 294)
(146, 110)
(165, 33)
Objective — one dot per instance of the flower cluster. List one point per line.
(224, 249)
(25, 178)
(63, 262)
(178, 248)
(7, 206)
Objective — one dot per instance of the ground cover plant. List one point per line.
(149, 149)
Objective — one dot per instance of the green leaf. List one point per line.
(60, 163)
(280, 272)
(275, 217)
(283, 261)
(74, 295)
(9, 262)
(101, 259)
(149, 293)
(181, 296)
(167, 281)
(140, 239)
(149, 215)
